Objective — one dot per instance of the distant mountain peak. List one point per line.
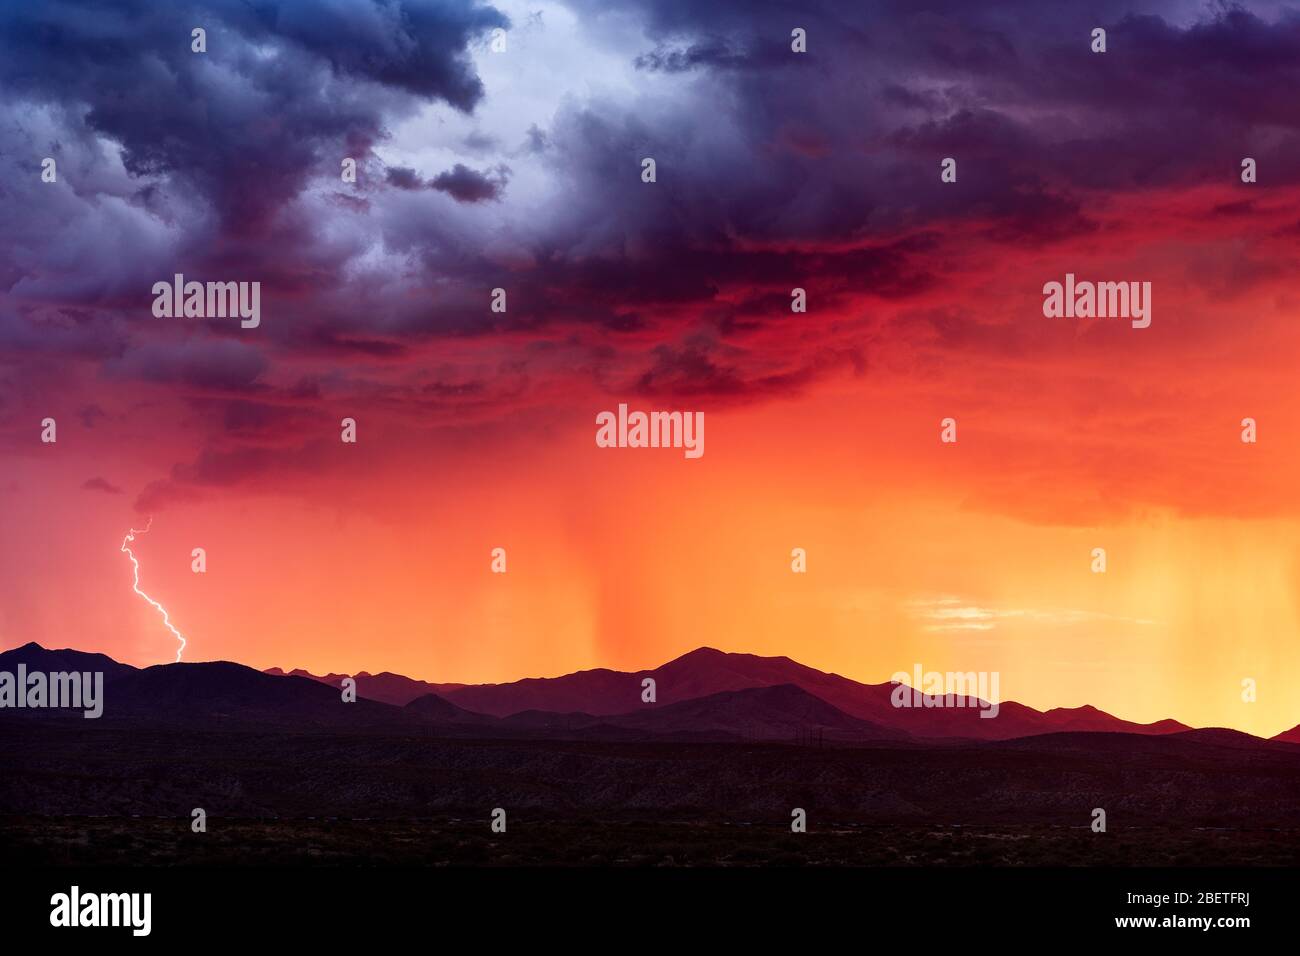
(699, 654)
(1291, 736)
(37, 657)
(1082, 709)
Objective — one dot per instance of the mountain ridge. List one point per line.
(706, 670)
(586, 699)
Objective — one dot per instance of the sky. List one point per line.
(521, 169)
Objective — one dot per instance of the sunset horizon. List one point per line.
(473, 265)
(457, 453)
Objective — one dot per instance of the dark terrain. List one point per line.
(534, 841)
(287, 772)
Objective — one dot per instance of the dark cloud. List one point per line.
(467, 185)
(53, 332)
(199, 363)
(248, 466)
(775, 170)
(417, 46)
(284, 89)
(100, 484)
(717, 53)
(399, 177)
(696, 372)
(460, 182)
(257, 421)
(333, 341)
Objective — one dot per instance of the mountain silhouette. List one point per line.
(385, 687)
(781, 712)
(707, 693)
(1089, 718)
(37, 658)
(228, 693)
(440, 710)
(1291, 736)
(707, 671)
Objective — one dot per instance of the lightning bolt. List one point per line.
(135, 585)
